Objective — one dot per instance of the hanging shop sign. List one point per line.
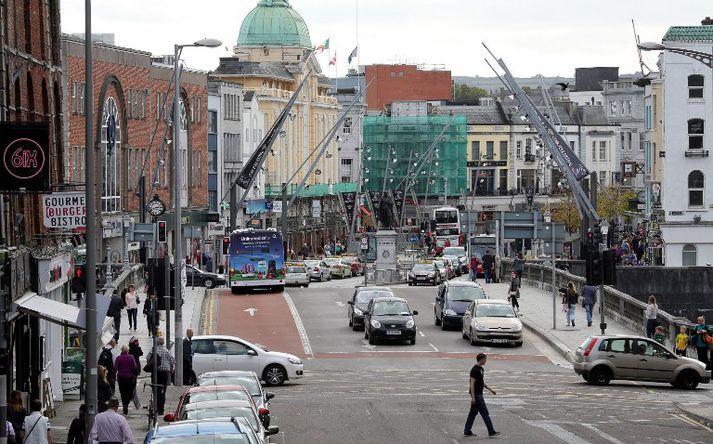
(24, 157)
(53, 273)
(64, 210)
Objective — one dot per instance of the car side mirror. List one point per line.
(269, 396)
(414, 313)
(252, 352)
(168, 417)
(272, 430)
(350, 302)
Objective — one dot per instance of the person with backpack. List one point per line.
(114, 311)
(702, 333)
(106, 360)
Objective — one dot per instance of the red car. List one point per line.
(356, 264)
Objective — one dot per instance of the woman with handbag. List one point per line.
(514, 292)
(572, 298)
(104, 392)
(125, 371)
(136, 351)
(702, 335)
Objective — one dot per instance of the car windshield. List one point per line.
(331, 261)
(217, 395)
(225, 412)
(312, 263)
(494, 311)
(454, 251)
(391, 308)
(423, 267)
(296, 270)
(205, 439)
(250, 384)
(366, 296)
(465, 293)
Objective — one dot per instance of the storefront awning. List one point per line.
(59, 312)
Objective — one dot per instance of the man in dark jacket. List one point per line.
(114, 311)
(488, 263)
(589, 298)
(77, 430)
(189, 377)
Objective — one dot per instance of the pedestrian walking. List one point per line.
(16, 411)
(132, 306)
(652, 312)
(151, 313)
(477, 401)
(488, 266)
(514, 292)
(474, 268)
(518, 266)
(703, 334)
(36, 427)
(114, 311)
(189, 377)
(571, 301)
(659, 335)
(681, 341)
(589, 299)
(78, 427)
(136, 351)
(125, 371)
(165, 369)
(106, 360)
(110, 427)
(104, 390)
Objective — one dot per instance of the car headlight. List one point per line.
(358, 312)
(410, 323)
(480, 327)
(449, 312)
(517, 328)
(375, 323)
(410, 274)
(295, 360)
(431, 274)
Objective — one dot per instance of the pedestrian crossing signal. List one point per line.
(226, 245)
(79, 279)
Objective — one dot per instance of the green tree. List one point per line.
(612, 202)
(565, 212)
(465, 93)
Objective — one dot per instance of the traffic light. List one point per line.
(226, 245)
(590, 239)
(79, 279)
(594, 267)
(530, 196)
(161, 231)
(597, 237)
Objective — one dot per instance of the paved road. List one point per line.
(355, 393)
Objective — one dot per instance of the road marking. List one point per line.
(340, 303)
(433, 347)
(300, 326)
(692, 421)
(557, 431)
(251, 310)
(604, 435)
(209, 325)
(421, 333)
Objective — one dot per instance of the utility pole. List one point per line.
(4, 354)
(177, 191)
(233, 206)
(283, 216)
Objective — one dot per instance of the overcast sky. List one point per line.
(549, 37)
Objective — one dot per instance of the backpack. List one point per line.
(106, 359)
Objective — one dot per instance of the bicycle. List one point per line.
(151, 411)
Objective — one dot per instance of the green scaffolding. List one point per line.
(393, 144)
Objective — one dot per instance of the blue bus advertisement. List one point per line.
(256, 259)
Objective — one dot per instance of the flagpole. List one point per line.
(357, 42)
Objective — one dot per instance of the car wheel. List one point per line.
(688, 380)
(410, 284)
(208, 283)
(585, 377)
(355, 327)
(351, 321)
(465, 336)
(274, 375)
(435, 319)
(412, 341)
(600, 375)
(329, 276)
(443, 325)
(235, 290)
(472, 338)
(372, 340)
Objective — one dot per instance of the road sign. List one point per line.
(413, 238)
(142, 232)
(364, 243)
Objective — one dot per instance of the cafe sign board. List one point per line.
(64, 210)
(24, 157)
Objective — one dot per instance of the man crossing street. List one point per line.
(477, 401)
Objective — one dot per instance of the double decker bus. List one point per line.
(257, 259)
(447, 220)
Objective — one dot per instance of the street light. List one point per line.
(651, 46)
(177, 182)
(548, 219)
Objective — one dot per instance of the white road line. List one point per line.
(557, 431)
(604, 435)
(433, 347)
(300, 326)
(421, 333)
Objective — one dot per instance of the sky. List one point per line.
(548, 37)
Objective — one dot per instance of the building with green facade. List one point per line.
(393, 144)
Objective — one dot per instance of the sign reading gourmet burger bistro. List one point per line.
(24, 157)
(64, 210)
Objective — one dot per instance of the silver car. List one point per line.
(601, 359)
(318, 270)
(297, 275)
(492, 321)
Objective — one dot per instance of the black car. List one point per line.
(426, 273)
(196, 277)
(390, 319)
(452, 300)
(360, 301)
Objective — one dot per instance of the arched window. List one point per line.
(688, 255)
(111, 152)
(696, 182)
(695, 86)
(28, 26)
(695, 134)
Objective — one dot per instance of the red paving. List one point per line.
(272, 324)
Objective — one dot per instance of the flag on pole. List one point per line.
(333, 59)
(354, 53)
(322, 46)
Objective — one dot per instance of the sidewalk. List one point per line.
(67, 410)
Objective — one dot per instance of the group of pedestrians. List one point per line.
(119, 366)
(29, 428)
(129, 300)
(571, 298)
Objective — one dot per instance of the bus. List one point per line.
(257, 259)
(447, 220)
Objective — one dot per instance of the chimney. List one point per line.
(707, 21)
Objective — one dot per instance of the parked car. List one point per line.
(462, 256)
(231, 408)
(454, 264)
(338, 268)
(601, 359)
(246, 379)
(318, 270)
(297, 276)
(356, 264)
(233, 430)
(442, 269)
(196, 277)
(492, 321)
(360, 301)
(195, 395)
(389, 318)
(425, 273)
(217, 352)
(452, 300)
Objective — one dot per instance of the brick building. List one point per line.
(403, 83)
(133, 107)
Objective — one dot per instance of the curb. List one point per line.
(706, 421)
(558, 345)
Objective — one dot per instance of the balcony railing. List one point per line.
(696, 153)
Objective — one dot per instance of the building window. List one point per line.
(594, 151)
(144, 95)
(696, 181)
(158, 105)
(503, 150)
(628, 107)
(475, 150)
(603, 150)
(346, 170)
(695, 86)
(212, 121)
(111, 150)
(347, 128)
(82, 89)
(612, 108)
(129, 170)
(688, 256)
(695, 134)
(198, 109)
(518, 149)
(193, 109)
(75, 108)
(212, 161)
(213, 200)
(490, 149)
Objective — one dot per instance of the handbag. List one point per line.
(148, 368)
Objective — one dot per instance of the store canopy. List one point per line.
(59, 312)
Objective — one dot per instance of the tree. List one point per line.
(565, 212)
(612, 202)
(465, 93)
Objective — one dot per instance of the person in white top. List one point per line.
(36, 428)
(132, 306)
(652, 312)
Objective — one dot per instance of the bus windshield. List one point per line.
(446, 216)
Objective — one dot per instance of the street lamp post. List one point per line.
(604, 227)
(548, 219)
(177, 182)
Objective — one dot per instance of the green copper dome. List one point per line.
(274, 23)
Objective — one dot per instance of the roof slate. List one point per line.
(233, 66)
(703, 33)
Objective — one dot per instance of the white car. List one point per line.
(318, 270)
(297, 275)
(339, 268)
(492, 321)
(218, 352)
